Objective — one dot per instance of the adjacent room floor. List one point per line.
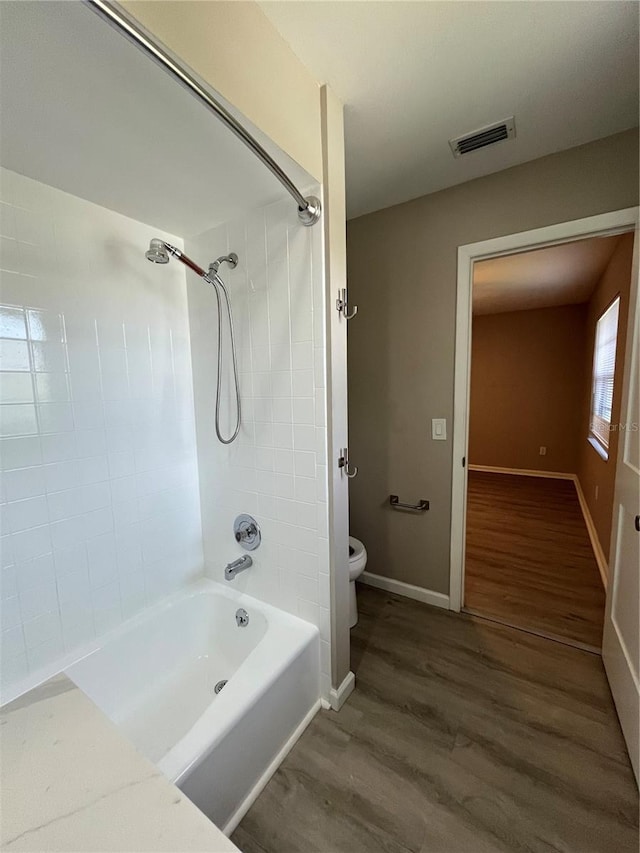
(462, 735)
(529, 560)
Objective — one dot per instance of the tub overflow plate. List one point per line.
(242, 618)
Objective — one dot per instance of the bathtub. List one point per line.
(155, 678)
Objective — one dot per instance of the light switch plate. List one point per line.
(439, 429)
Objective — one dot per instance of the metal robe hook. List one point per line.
(342, 305)
(343, 463)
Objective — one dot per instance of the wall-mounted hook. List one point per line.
(342, 305)
(343, 463)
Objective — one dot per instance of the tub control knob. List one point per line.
(247, 532)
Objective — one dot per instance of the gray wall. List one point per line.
(401, 267)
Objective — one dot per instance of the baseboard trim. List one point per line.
(417, 593)
(260, 785)
(598, 553)
(338, 696)
(523, 472)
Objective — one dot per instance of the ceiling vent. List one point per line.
(488, 135)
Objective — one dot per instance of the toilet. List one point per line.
(357, 562)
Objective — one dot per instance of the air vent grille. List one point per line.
(484, 136)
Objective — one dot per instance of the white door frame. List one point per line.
(579, 229)
(619, 635)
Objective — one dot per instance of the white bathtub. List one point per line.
(155, 678)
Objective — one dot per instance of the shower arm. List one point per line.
(309, 209)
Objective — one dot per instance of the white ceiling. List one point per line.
(557, 275)
(414, 74)
(85, 111)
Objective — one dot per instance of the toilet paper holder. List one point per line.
(396, 503)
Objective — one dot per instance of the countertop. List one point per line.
(71, 782)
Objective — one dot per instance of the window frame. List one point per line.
(594, 439)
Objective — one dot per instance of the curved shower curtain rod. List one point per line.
(309, 208)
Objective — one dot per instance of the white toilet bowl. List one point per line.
(357, 562)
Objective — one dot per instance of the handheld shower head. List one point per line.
(157, 252)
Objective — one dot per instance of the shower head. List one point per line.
(157, 252)
(160, 252)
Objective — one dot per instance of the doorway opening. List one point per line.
(547, 350)
(621, 624)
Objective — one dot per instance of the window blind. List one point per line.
(604, 364)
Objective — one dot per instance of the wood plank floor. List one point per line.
(462, 736)
(529, 560)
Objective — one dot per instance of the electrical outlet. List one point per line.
(543, 451)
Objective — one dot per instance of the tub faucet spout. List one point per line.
(239, 565)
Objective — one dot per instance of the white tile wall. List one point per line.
(100, 507)
(277, 470)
